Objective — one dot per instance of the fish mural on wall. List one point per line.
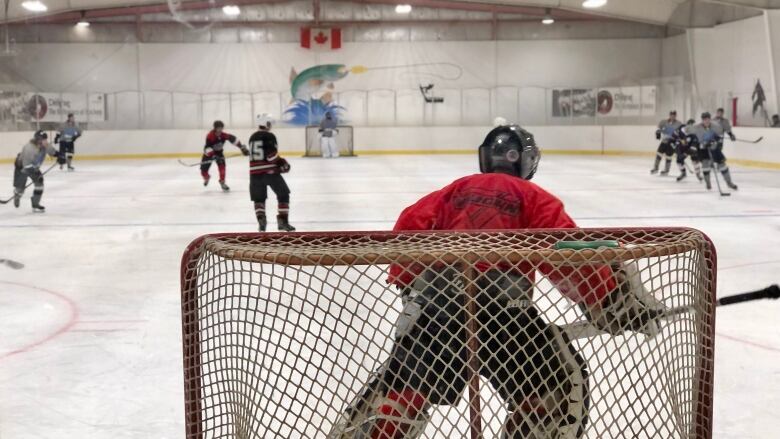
(312, 89)
(312, 93)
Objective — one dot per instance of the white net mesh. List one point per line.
(475, 335)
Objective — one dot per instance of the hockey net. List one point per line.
(344, 139)
(282, 333)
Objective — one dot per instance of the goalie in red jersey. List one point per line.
(531, 364)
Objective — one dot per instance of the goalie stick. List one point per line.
(29, 184)
(587, 330)
(192, 165)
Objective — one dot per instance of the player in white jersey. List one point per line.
(28, 165)
(666, 131)
(328, 132)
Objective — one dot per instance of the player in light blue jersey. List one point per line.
(66, 137)
(667, 130)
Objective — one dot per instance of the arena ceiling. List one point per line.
(673, 13)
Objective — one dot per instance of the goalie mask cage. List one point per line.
(344, 139)
(282, 333)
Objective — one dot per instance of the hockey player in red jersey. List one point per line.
(214, 151)
(531, 364)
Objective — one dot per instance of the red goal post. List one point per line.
(281, 332)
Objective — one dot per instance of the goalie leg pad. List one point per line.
(379, 413)
(554, 401)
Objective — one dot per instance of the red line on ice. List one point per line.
(748, 342)
(73, 311)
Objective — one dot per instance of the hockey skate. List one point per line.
(682, 175)
(224, 186)
(727, 177)
(654, 171)
(262, 224)
(667, 167)
(38, 208)
(17, 200)
(284, 224)
(71, 168)
(206, 181)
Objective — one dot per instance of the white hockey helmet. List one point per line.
(500, 121)
(264, 120)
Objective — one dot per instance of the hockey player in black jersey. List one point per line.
(265, 169)
(687, 149)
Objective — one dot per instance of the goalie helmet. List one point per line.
(509, 149)
(264, 120)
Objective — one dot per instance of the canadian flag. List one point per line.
(319, 38)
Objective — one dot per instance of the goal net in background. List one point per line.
(282, 332)
(344, 140)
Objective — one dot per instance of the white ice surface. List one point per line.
(90, 328)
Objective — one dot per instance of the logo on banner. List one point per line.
(606, 102)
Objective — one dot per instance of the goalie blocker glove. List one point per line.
(630, 307)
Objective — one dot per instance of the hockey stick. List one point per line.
(29, 184)
(587, 330)
(12, 264)
(192, 165)
(715, 173)
(749, 141)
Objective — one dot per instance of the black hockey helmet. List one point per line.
(511, 150)
(40, 135)
(219, 124)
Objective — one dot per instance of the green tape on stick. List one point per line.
(580, 245)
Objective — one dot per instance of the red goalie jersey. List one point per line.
(502, 202)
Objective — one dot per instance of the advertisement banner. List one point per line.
(52, 107)
(627, 101)
(573, 103)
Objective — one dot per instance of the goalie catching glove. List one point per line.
(630, 307)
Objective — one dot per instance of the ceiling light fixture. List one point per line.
(35, 6)
(403, 9)
(231, 10)
(548, 18)
(593, 4)
(83, 23)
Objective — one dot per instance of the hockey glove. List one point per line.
(244, 150)
(657, 134)
(630, 307)
(284, 167)
(732, 136)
